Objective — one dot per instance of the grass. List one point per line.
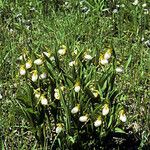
(39, 26)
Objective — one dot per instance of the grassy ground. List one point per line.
(93, 25)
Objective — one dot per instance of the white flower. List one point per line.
(105, 110)
(28, 64)
(23, 56)
(62, 88)
(1, 96)
(119, 69)
(11, 30)
(22, 70)
(43, 75)
(77, 88)
(43, 100)
(135, 2)
(34, 75)
(59, 128)
(71, 63)
(87, 57)
(37, 93)
(52, 58)
(57, 94)
(83, 118)
(107, 55)
(38, 61)
(115, 11)
(98, 122)
(75, 109)
(122, 116)
(104, 61)
(144, 5)
(20, 57)
(46, 54)
(62, 50)
(95, 92)
(146, 11)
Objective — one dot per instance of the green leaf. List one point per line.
(128, 62)
(110, 121)
(118, 130)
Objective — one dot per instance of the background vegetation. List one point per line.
(88, 26)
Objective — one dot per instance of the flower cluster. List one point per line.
(98, 121)
(105, 57)
(69, 86)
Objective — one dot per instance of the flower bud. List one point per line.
(29, 64)
(122, 116)
(37, 93)
(72, 63)
(62, 50)
(59, 128)
(22, 70)
(38, 61)
(77, 87)
(43, 100)
(102, 60)
(98, 122)
(43, 76)
(87, 57)
(144, 5)
(75, 109)
(83, 118)
(57, 94)
(107, 55)
(135, 2)
(34, 75)
(119, 69)
(105, 110)
(94, 91)
(1, 96)
(20, 57)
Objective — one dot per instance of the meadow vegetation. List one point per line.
(74, 74)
